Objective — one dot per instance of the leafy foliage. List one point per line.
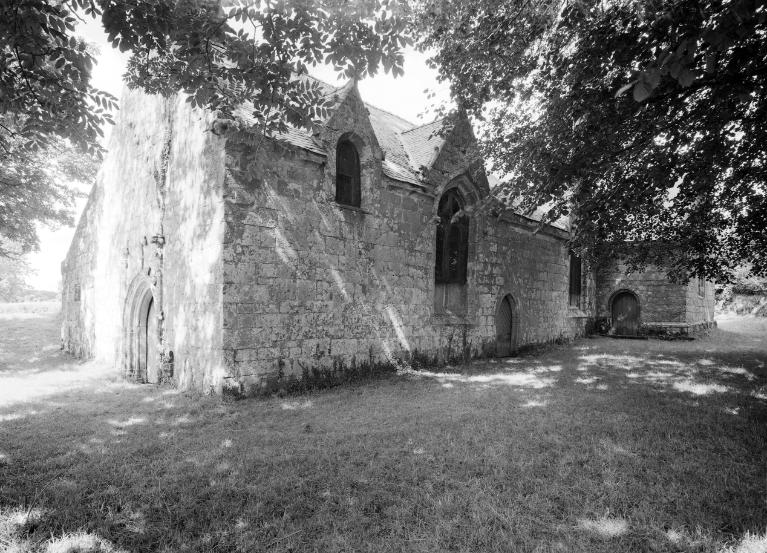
(50, 118)
(38, 185)
(744, 282)
(45, 90)
(219, 56)
(253, 50)
(676, 166)
(13, 276)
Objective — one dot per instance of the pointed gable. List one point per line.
(425, 156)
(349, 114)
(457, 153)
(407, 151)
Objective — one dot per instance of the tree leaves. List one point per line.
(251, 52)
(678, 167)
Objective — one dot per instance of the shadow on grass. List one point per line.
(597, 446)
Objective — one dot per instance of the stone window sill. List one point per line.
(445, 319)
(353, 209)
(575, 312)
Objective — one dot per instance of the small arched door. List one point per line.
(504, 340)
(152, 349)
(625, 314)
(146, 341)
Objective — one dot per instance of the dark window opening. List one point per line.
(347, 174)
(575, 280)
(77, 292)
(701, 287)
(452, 241)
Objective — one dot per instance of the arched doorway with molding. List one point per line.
(141, 334)
(506, 323)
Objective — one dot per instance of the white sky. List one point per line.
(403, 96)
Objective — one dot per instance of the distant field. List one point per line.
(14, 309)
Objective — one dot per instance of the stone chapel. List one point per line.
(220, 261)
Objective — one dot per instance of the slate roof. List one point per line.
(562, 223)
(388, 128)
(295, 136)
(423, 143)
(403, 156)
(406, 147)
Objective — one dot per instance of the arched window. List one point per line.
(452, 240)
(347, 174)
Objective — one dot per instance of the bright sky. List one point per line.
(403, 96)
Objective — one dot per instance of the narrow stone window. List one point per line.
(347, 174)
(77, 292)
(575, 280)
(701, 287)
(452, 249)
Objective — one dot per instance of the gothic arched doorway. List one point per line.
(504, 327)
(143, 341)
(625, 313)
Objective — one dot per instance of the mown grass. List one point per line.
(604, 445)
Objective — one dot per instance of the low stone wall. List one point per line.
(665, 329)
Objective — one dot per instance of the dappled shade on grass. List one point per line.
(588, 447)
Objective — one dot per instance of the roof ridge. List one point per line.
(390, 113)
(424, 125)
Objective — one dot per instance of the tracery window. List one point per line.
(452, 240)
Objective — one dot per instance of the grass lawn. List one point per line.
(603, 445)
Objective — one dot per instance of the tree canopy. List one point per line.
(218, 55)
(643, 121)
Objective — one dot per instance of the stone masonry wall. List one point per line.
(534, 269)
(259, 274)
(660, 301)
(112, 242)
(309, 284)
(155, 218)
(194, 232)
(78, 272)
